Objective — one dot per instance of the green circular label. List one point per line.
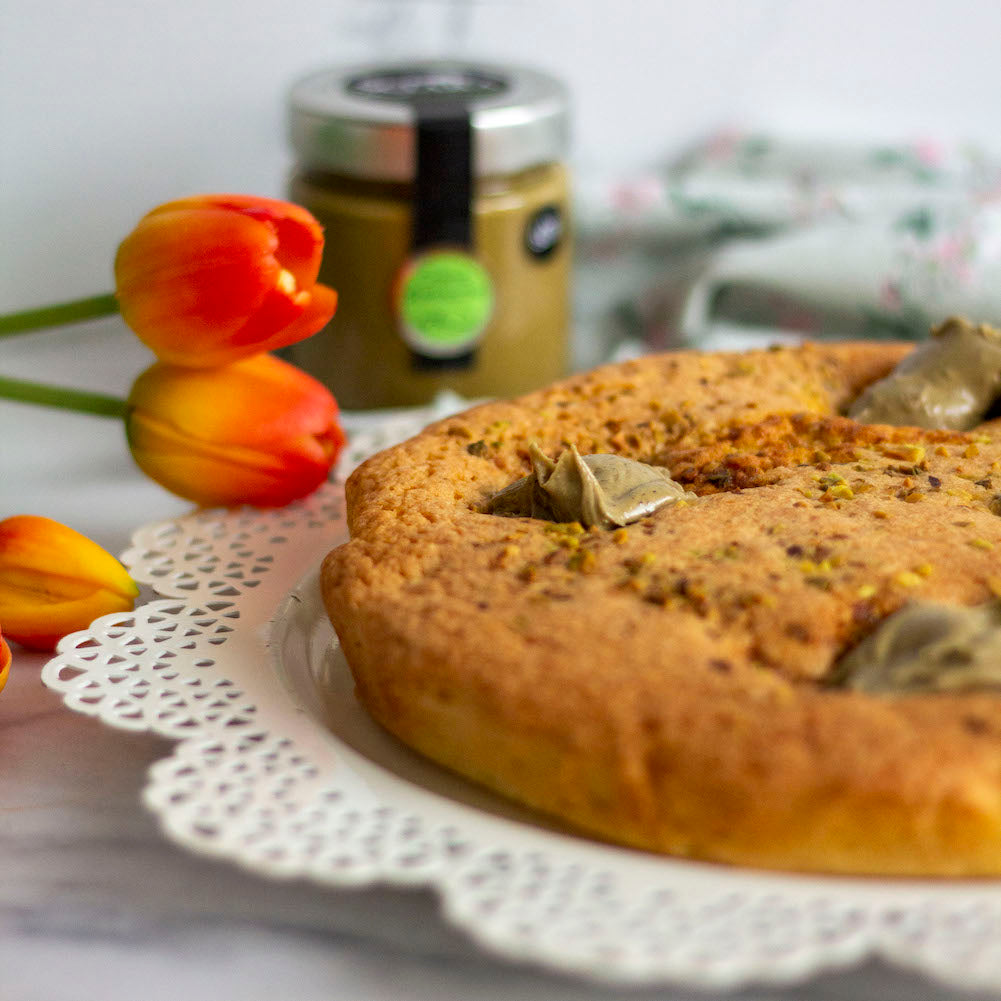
(445, 301)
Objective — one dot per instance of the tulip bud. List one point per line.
(210, 279)
(54, 581)
(4, 662)
(259, 431)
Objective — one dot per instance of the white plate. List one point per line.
(277, 768)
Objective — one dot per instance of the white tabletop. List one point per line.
(96, 903)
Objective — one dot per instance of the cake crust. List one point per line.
(666, 685)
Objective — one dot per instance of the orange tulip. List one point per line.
(54, 581)
(210, 279)
(259, 431)
(4, 662)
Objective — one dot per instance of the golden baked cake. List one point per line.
(685, 683)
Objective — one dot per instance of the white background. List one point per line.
(108, 108)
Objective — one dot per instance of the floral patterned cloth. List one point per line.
(751, 239)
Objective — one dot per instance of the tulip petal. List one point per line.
(207, 280)
(5, 659)
(258, 431)
(54, 581)
(39, 621)
(188, 278)
(300, 236)
(226, 476)
(288, 318)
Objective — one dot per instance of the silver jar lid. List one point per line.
(360, 120)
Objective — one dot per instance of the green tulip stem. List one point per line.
(59, 315)
(58, 396)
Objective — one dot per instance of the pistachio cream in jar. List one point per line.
(446, 214)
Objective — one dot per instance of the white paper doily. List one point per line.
(277, 768)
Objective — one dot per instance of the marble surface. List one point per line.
(95, 903)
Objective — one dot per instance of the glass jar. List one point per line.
(444, 199)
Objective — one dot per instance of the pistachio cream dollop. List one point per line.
(928, 647)
(949, 382)
(604, 491)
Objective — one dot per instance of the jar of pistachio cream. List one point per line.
(444, 199)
